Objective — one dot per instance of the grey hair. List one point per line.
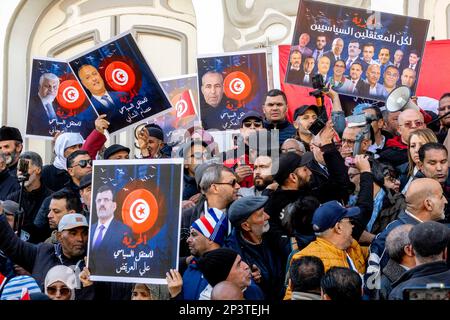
(396, 241)
(35, 158)
(2, 156)
(299, 143)
(48, 76)
(212, 174)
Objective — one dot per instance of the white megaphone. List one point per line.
(400, 99)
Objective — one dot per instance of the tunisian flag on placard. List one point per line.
(296, 95)
(434, 77)
(184, 105)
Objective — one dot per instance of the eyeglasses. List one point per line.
(231, 183)
(64, 291)
(83, 163)
(347, 141)
(391, 179)
(256, 124)
(409, 124)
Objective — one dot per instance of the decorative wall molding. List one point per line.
(251, 24)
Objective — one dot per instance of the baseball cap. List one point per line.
(301, 110)
(251, 114)
(72, 220)
(114, 149)
(331, 212)
(9, 207)
(290, 161)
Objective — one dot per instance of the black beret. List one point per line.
(114, 149)
(156, 132)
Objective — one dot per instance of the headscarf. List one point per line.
(13, 288)
(64, 141)
(64, 274)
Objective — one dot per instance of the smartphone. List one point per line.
(317, 126)
(23, 165)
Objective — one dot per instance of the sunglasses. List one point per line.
(64, 291)
(256, 124)
(231, 183)
(83, 163)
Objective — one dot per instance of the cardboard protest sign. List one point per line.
(135, 220)
(360, 53)
(120, 83)
(56, 101)
(229, 86)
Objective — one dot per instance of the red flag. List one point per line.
(25, 294)
(434, 62)
(2, 281)
(296, 95)
(184, 105)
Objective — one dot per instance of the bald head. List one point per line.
(409, 120)
(226, 290)
(425, 199)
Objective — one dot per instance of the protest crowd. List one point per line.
(317, 207)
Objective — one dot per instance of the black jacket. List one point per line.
(54, 178)
(8, 184)
(36, 259)
(334, 185)
(266, 258)
(31, 202)
(420, 276)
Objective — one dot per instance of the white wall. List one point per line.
(6, 13)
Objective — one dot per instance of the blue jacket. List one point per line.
(193, 282)
(8, 184)
(285, 130)
(189, 186)
(378, 257)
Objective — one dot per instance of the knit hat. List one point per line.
(216, 264)
(10, 133)
(13, 288)
(213, 225)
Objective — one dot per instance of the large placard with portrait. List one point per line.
(230, 85)
(358, 52)
(120, 83)
(135, 220)
(56, 102)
